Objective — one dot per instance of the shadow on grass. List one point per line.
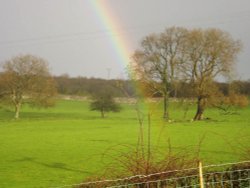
(55, 165)
(42, 115)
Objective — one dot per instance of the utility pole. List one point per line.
(108, 73)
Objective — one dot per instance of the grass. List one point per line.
(65, 144)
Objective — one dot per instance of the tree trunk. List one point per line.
(200, 109)
(165, 112)
(17, 110)
(102, 112)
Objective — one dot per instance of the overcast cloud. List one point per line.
(68, 33)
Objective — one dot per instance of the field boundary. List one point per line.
(215, 175)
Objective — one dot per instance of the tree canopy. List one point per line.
(156, 64)
(210, 53)
(178, 55)
(26, 79)
(104, 102)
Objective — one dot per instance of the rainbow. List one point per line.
(110, 23)
(119, 42)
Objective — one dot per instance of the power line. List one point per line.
(49, 39)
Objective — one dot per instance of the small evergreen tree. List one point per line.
(104, 102)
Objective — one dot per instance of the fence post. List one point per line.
(201, 175)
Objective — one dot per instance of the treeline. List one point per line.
(83, 86)
(184, 89)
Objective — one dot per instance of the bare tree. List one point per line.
(211, 53)
(26, 79)
(156, 63)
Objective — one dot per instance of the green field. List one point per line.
(65, 144)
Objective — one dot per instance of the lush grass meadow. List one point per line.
(65, 144)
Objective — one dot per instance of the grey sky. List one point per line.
(68, 33)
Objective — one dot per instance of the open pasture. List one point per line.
(65, 144)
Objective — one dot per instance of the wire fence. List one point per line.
(230, 175)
